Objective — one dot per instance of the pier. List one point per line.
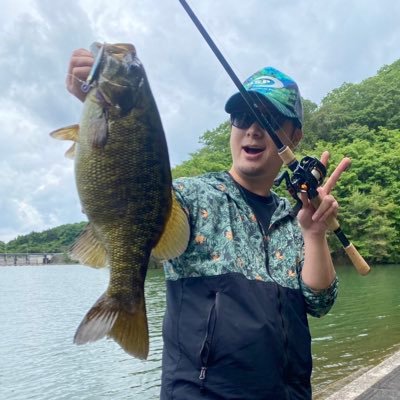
(19, 259)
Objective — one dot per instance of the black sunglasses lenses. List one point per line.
(243, 120)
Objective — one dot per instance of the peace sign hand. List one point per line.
(313, 215)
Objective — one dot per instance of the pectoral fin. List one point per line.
(175, 237)
(70, 132)
(99, 132)
(88, 249)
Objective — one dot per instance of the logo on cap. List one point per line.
(264, 83)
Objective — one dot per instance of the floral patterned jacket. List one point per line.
(238, 295)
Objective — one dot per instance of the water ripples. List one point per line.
(40, 308)
(362, 328)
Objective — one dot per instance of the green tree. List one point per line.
(374, 103)
(213, 156)
(369, 192)
(55, 240)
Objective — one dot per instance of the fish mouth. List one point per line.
(253, 149)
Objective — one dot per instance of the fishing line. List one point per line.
(76, 78)
(93, 85)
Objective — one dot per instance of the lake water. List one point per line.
(40, 308)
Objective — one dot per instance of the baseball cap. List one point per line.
(276, 89)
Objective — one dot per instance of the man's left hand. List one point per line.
(313, 221)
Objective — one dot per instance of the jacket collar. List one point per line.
(224, 182)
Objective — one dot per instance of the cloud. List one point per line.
(320, 44)
(38, 187)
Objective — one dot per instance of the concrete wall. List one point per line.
(26, 259)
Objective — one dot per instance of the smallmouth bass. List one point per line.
(124, 183)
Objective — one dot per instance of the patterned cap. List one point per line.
(277, 88)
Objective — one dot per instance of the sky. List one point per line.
(321, 44)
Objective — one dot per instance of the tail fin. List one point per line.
(109, 317)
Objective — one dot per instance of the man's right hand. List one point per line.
(79, 68)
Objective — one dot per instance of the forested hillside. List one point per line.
(361, 121)
(55, 240)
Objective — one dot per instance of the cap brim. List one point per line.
(237, 103)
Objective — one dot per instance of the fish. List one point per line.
(123, 179)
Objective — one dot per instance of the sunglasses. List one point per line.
(244, 119)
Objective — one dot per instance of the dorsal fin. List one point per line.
(70, 132)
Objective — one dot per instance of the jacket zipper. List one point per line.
(280, 305)
(206, 347)
(285, 339)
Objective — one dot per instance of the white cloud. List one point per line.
(28, 215)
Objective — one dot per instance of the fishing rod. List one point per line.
(308, 174)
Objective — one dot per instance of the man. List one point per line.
(237, 299)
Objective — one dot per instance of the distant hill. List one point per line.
(55, 240)
(373, 104)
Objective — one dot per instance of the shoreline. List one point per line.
(50, 264)
(365, 380)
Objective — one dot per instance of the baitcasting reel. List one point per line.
(308, 175)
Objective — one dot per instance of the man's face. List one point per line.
(254, 153)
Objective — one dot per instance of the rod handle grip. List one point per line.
(355, 257)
